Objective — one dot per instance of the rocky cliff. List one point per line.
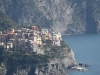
(67, 16)
(59, 58)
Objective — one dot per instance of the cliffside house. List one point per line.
(38, 40)
(46, 35)
(38, 50)
(56, 38)
(9, 45)
(3, 38)
(44, 31)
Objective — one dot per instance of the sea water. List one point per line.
(86, 48)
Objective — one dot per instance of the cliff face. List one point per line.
(56, 14)
(61, 58)
(66, 16)
(90, 18)
(48, 69)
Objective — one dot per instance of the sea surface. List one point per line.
(86, 48)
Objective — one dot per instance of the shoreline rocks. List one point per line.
(84, 65)
(79, 67)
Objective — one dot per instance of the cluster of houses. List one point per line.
(27, 39)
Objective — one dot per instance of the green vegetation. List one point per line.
(48, 43)
(21, 60)
(17, 59)
(57, 51)
(6, 23)
(1, 55)
(24, 10)
(64, 45)
(27, 12)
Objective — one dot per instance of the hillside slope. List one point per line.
(67, 16)
(6, 22)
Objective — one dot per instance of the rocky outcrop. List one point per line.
(57, 66)
(62, 58)
(51, 69)
(47, 69)
(69, 59)
(3, 69)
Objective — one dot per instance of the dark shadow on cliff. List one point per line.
(92, 24)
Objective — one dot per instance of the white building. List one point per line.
(56, 43)
(9, 45)
(44, 31)
(38, 50)
(56, 38)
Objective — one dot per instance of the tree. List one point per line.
(1, 55)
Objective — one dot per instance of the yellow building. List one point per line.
(38, 40)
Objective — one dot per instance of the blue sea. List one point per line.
(86, 48)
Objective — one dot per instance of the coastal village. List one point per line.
(32, 39)
(28, 39)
